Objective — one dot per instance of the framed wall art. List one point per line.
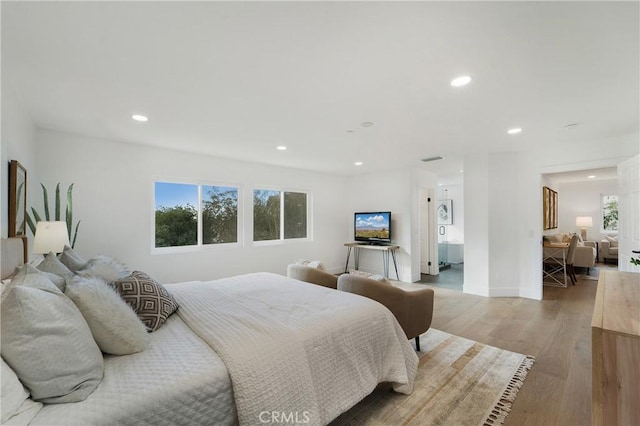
(549, 208)
(445, 212)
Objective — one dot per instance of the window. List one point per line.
(176, 214)
(279, 215)
(193, 215)
(610, 213)
(219, 215)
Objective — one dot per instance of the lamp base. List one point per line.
(583, 234)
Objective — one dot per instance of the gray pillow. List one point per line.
(114, 325)
(71, 259)
(105, 267)
(52, 265)
(47, 342)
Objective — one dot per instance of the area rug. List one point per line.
(459, 382)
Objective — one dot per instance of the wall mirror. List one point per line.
(17, 200)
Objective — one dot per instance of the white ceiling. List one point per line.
(238, 79)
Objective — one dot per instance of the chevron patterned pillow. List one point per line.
(149, 299)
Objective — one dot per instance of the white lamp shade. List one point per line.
(584, 221)
(50, 237)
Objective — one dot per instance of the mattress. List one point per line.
(178, 379)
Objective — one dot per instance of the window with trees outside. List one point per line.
(279, 215)
(610, 213)
(193, 215)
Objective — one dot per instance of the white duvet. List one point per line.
(297, 351)
(283, 350)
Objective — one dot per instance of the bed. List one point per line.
(251, 349)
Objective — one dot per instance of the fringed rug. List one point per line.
(459, 382)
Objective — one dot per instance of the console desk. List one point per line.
(385, 249)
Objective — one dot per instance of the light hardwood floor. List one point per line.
(556, 330)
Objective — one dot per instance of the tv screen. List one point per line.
(372, 226)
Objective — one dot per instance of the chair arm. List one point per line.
(312, 275)
(590, 244)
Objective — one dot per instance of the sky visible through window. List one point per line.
(176, 194)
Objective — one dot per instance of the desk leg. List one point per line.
(385, 261)
(356, 257)
(395, 264)
(346, 265)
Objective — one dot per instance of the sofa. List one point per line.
(608, 249)
(585, 253)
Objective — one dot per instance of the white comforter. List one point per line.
(296, 351)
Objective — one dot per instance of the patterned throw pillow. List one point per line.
(149, 299)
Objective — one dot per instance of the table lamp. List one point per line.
(50, 237)
(584, 222)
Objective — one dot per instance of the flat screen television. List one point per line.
(372, 227)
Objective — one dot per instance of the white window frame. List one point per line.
(281, 240)
(199, 246)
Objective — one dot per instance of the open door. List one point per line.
(629, 213)
(428, 239)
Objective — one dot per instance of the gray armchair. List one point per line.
(412, 309)
(312, 275)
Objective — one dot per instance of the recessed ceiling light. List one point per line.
(514, 131)
(358, 163)
(591, 177)
(461, 171)
(139, 117)
(463, 80)
(281, 148)
(366, 124)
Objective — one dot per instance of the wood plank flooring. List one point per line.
(556, 330)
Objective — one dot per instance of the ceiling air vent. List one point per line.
(432, 159)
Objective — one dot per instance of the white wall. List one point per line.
(17, 143)
(113, 196)
(583, 199)
(388, 191)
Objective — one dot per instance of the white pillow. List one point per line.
(311, 263)
(46, 341)
(114, 325)
(15, 401)
(360, 273)
(379, 277)
(106, 268)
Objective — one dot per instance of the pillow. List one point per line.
(52, 265)
(71, 259)
(613, 241)
(360, 273)
(311, 263)
(106, 268)
(555, 238)
(47, 342)
(115, 327)
(149, 299)
(15, 401)
(379, 277)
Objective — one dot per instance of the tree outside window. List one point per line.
(279, 215)
(610, 212)
(219, 215)
(176, 216)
